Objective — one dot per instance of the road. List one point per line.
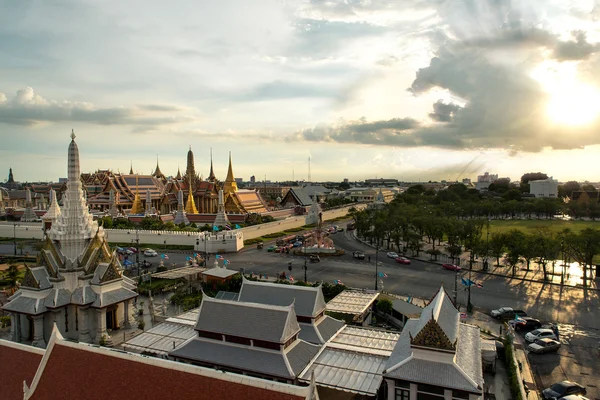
(565, 305)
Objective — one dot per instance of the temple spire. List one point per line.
(136, 207)
(157, 173)
(230, 185)
(131, 168)
(211, 176)
(190, 207)
(178, 177)
(190, 171)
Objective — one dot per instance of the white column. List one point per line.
(38, 331)
(13, 327)
(84, 324)
(391, 389)
(126, 311)
(101, 327)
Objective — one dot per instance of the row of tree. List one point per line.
(408, 226)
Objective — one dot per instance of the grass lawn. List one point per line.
(530, 226)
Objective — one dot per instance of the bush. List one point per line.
(4, 321)
(513, 378)
(186, 300)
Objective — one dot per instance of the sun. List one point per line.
(570, 101)
(574, 105)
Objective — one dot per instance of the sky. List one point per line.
(415, 90)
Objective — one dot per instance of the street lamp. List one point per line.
(305, 267)
(15, 236)
(376, 262)
(137, 250)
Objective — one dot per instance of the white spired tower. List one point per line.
(75, 226)
(77, 284)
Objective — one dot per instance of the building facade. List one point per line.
(545, 188)
(77, 284)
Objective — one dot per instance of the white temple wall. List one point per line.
(48, 324)
(92, 322)
(24, 322)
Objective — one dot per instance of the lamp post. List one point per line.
(15, 236)
(376, 262)
(305, 267)
(137, 250)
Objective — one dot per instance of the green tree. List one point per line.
(497, 246)
(385, 306)
(13, 274)
(514, 246)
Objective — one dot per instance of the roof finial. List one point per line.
(72, 134)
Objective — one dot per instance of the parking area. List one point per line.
(578, 360)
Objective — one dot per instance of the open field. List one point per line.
(531, 225)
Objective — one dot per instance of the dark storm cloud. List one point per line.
(444, 112)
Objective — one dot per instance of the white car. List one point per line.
(540, 334)
(150, 253)
(391, 254)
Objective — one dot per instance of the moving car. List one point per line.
(546, 345)
(150, 253)
(314, 258)
(133, 249)
(359, 255)
(561, 389)
(506, 313)
(540, 334)
(525, 324)
(402, 260)
(271, 248)
(391, 254)
(451, 267)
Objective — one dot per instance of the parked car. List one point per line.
(150, 253)
(402, 260)
(451, 267)
(314, 258)
(525, 324)
(359, 255)
(391, 254)
(574, 397)
(506, 313)
(297, 244)
(540, 334)
(340, 229)
(545, 345)
(145, 264)
(260, 245)
(271, 249)
(562, 389)
(133, 249)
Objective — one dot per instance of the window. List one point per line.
(402, 394)
(429, 392)
(459, 394)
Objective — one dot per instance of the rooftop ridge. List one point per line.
(250, 304)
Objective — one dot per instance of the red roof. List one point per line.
(18, 363)
(78, 371)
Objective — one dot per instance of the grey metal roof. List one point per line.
(300, 195)
(220, 272)
(468, 358)
(309, 333)
(113, 297)
(347, 370)
(329, 326)
(268, 362)
(372, 341)
(57, 298)
(300, 355)
(249, 320)
(83, 295)
(406, 308)
(311, 190)
(41, 275)
(308, 301)
(22, 304)
(445, 314)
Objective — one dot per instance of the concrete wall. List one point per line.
(226, 241)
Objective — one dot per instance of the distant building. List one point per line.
(381, 182)
(345, 180)
(239, 180)
(484, 181)
(252, 179)
(545, 188)
(466, 181)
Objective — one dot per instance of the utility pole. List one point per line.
(305, 267)
(15, 236)
(456, 288)
(137, 250)
(376, 262)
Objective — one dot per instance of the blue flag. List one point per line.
(215, 228)
(237, 226)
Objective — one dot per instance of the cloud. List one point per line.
(283, 90)
(578, 49)
(444, 112)
(29, 108)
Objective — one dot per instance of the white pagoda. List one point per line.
(77, 283)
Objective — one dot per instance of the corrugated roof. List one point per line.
(366, 340)
(220, 272)
(161, 339)
(249, 320)
(352, 302)
(347, 370)
(308, 301)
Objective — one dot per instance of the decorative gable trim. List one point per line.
(432, 336)
(110, 274)
(29, 280)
